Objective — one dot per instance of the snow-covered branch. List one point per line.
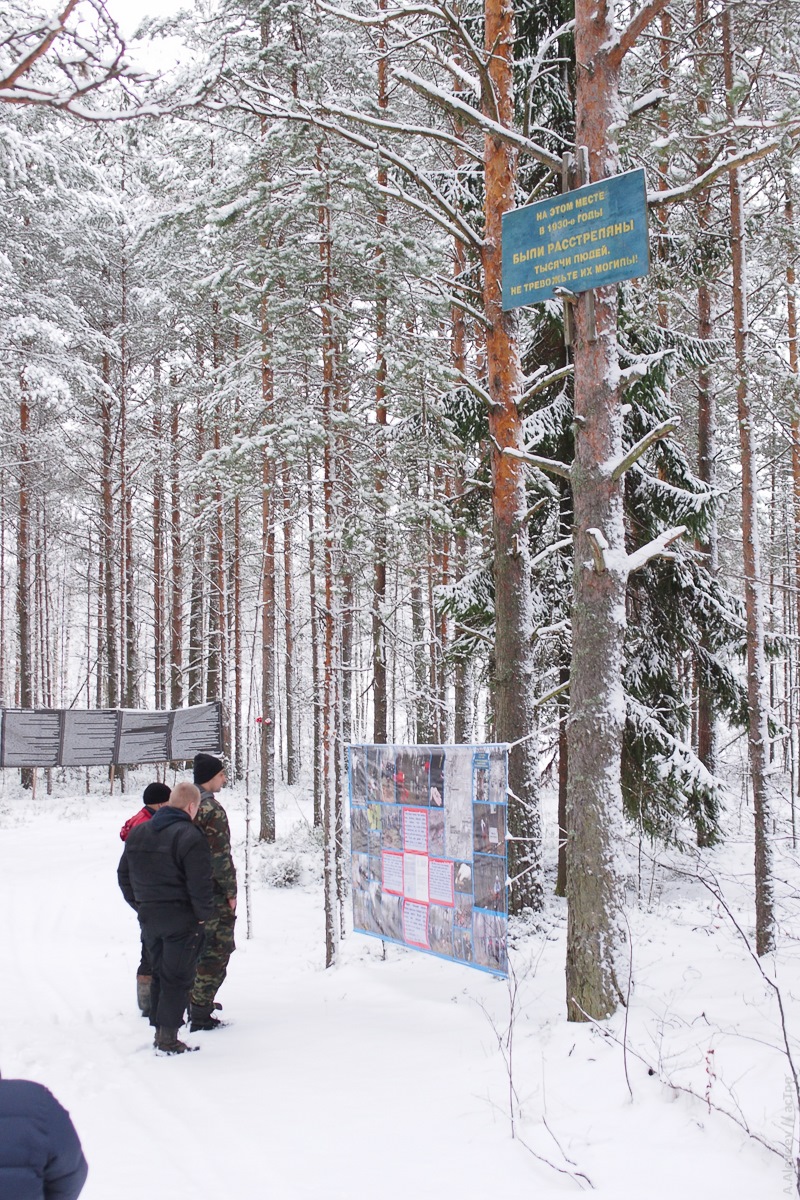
(598, 544)
(443, 213)
(538, 62)
(741, 159)
(637, 25)
(648, 100)
(654, 549)
(544, 464)
(626, 461)
(456, 231)
(551, 549)
(471, 116)
(64, 60)
(424, 131)
(545, 381)
(437, 12)
(476, 388)
(471, 82)
(46, 36)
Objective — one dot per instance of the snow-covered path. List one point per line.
(315, 1085)
(376, 1077)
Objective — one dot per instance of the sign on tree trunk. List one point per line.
(580, 240)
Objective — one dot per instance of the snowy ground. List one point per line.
(388, 1076)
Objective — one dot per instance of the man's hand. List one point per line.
(232, 903)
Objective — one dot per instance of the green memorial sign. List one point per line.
(580, 240)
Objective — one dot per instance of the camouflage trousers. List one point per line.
(218, 946)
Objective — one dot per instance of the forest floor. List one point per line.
(388, 1075)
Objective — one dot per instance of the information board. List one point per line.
(428, 849)
(107, 737)
(580, 240)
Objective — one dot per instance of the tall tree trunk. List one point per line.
(330, 802)
(159, 631)
(176, 548)
(440, 624)
(758, 737)
(235, 609)
(235, 618)
(794, 367)
(316, 681)
(24, 593)
(216, 675)
(196, 671)
(422, 731)
(347, 621)
(564, 531)
(268, 515)
(107, 524)
(290, 666)
(662, 212)
(513, 678)
(127, 580)
(267, 727)
(595, 932)
(706, 404)
(3, 658)
(462, 675)
(100, 657)
(348, 487)
(379, 688)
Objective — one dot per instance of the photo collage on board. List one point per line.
(428, 849)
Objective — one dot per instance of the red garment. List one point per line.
(144, 814)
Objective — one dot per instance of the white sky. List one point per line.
(156, 56)
(129, 13)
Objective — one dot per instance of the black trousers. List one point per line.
(173, 938)
(145, 966)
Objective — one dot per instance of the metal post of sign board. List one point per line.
(567, 168)
(583, 180)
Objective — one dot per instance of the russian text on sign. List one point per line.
(546, 246)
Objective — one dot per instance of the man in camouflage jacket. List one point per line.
(218, 943)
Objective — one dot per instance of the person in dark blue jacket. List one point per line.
(40, 1153)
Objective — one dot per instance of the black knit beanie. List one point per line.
(206, 766)
(156, 793)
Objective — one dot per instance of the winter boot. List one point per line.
(166, 1042)
(203, 1018)
(143, 983)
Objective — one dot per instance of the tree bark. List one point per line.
(379, 685)
(330, 748)
(196, 662)
(111, 660)
(159, 644)
(513, 676)
(267, 727)
(316, 682)
(595, 931)
(290, 667)
(176, 554)
(706, 401)
(24, 646)
(758, 736)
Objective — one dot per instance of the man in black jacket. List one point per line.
(165, 874)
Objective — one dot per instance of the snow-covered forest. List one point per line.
(269, 437)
